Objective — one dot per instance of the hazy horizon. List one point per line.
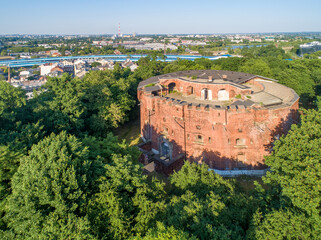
(37, 17)
(147, 34)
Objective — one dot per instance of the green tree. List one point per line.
(50, 190)
(8, 166)
(256, 66)
(205, 205)
(283, 224)
(107, 97)
(290, 207)
(104, 148)
(295, 163)
(11, 101)
(162, 232)
(60, 107)
(230, 50)
(95, 64)
(318, 103)
(246, 41)
(126, 204)
(9, 162)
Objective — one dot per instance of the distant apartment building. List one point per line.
(56, 54)
(146, 39)
(67, 53)
(105, 64)
(129, 64)
(102, 43)
(44, 45)
(152, 46)
(255, 40)
(81, 67)
(24, 75)
(269, 38)
(55, 69)
(310, 47)
(193, 43)
(45, 69)
(29, 86)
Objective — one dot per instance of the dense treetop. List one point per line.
(64, 175)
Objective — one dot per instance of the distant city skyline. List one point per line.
(161, 17)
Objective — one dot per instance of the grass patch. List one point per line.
(246, 184)
(150, 85)
(130, 132)
(162, 178)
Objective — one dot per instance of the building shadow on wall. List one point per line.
(282, 128)
(216, 160)
(174, 161)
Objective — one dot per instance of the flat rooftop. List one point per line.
(270, 94)
(193, 99)
(202, 76)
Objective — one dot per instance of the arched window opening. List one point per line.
(190, 90)
(199, 138)
(165, 150)
(204, 94)
(171, 87)
(223, 95)
(240, 141)
(165, 130)
(241, 161)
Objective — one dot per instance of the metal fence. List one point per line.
(236, 173)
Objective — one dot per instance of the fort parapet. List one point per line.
(225, 119)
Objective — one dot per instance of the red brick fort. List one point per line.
(225, 119)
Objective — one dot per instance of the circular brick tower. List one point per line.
(225, 119)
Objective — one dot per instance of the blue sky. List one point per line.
(162, 16)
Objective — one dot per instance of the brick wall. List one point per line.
(183, 87)
(237, 137)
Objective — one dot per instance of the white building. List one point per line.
(24, 75)
(45, 69)
(129, 64)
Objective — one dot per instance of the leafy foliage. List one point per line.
(205, 205)
(284, 224)
(291, 207)
(161, 232)
(8, 165)
(11, 100)
(125, 203)
(295, 163)
(50, 189)
(64, 175)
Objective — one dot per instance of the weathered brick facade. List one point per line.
(236, 132)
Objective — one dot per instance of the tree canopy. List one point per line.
(64, 175)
